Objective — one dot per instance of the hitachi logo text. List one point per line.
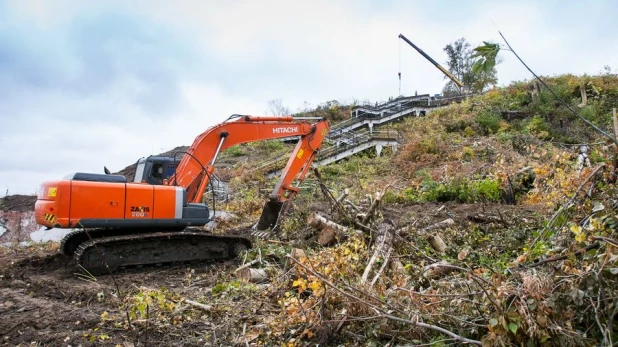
(285, 130)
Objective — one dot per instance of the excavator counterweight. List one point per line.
(157, 217)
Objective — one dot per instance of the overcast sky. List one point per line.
(90, 83)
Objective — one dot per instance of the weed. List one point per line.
(462, 190)
(539, 127)
(467, 154)
(270, 146)
(489, 122)
(236, 151)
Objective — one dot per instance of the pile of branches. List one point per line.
(356, 288)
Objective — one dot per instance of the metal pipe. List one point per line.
(308, 118)
(223, 136)
(269, 119)
(435, 63)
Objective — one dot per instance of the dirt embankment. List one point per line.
(20, 203)
(17, 218)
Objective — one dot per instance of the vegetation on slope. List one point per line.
(531, 249)
(469, 157)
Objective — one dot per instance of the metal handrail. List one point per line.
(357, 139)
(351, 139)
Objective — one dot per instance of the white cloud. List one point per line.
(184, 66)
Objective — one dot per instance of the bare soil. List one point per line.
(43, 300)
(18, 203)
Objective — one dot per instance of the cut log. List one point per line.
(253, 275)
(440, 225)
(437, 243)
(463, 254)
(318, 222)
(437, 270)
(330, 232)
(343, 195)
(328, 236)
(298, 253)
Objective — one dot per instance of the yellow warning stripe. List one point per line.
(50, 217)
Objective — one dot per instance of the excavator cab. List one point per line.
(155, 169)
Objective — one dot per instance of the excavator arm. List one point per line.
(197, 166)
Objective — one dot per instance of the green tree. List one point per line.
(462, 62)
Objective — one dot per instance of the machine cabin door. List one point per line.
(159, 170)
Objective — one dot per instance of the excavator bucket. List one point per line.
(270, 215)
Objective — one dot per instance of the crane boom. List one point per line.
(435, 63)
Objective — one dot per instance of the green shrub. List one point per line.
(236, 151)
(407, 195)
(469, 132)
(489, 121)
(271, 145)
(505, 137)
(458, 125)
(538, 127)
(467, 154)
(462, 190)
(485, 190)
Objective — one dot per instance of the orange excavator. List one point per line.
(156, 218)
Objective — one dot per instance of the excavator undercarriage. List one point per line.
(101, 251)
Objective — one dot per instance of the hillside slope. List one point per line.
(488, 231)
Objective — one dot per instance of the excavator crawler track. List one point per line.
(71, 241)
(101, 254)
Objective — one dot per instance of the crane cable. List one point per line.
(614, 140)
(399, 68)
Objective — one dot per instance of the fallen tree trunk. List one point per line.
(440, 225)
(330, 232)
(438, 269)
(328, 236)
(199, 305)
(318, 222)
(382, 249)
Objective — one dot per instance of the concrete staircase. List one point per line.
(357, 134)
(392, 110)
